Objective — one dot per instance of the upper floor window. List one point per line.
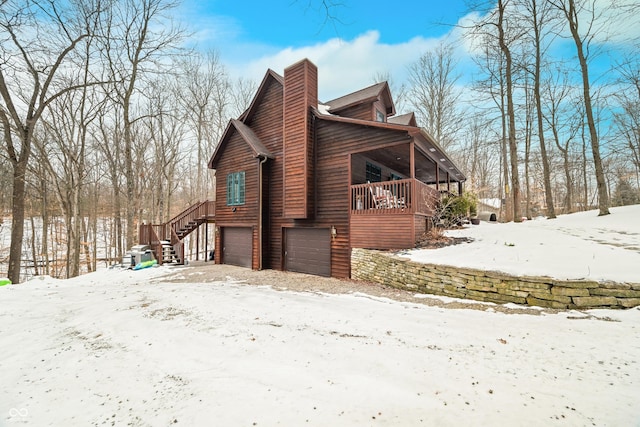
(235, 189)
(373, 173)
(380, 117)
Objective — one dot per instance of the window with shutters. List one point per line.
(235, 189)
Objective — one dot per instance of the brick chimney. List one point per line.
(300, 94)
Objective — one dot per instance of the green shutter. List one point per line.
(241, 188)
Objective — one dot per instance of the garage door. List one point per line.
(308, 250)
(236, 246)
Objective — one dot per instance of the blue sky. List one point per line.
(296, 23)
(365, 38)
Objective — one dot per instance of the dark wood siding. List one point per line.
(421, 226)
(361, 111)
(334, 143)
(325, 190)
(267, 124)
(236, 157)
(300, 94)
(308, 250)
(379, 105)
(237, 246)
(382, 232)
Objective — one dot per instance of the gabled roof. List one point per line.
(368, 94)
(252, 140)
(269, 77)
(408, 119)
(258, 148)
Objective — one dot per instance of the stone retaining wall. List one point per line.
(480, 285)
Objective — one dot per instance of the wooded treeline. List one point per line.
(550, 122)
(105, 114)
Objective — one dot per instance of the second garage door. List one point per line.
(236, 246)
(308, 250)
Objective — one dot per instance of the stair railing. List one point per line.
(194, 213)
(148, 236)
(153, 234)
(178, 246)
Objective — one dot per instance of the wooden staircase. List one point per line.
(166, 240)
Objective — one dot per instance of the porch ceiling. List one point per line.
(398, 158)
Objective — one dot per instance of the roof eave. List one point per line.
(413, 131)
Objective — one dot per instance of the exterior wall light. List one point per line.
(334, 232)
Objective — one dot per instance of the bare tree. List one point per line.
(528, 136)
(242, 95)
(110, 131)
(63, 153)
(399, 93)
(564, 123)
(205, 94)
(627, 119)
(165, 129)
(137, 37)
(504, 42)
(41, 41)
(574, 12)
(492, 63)
(539, 17)
(434, 95)
(480, 157)
(499, 29)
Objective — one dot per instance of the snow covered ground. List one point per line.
(576, 246)
(133, 348)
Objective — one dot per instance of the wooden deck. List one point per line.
(407, 196)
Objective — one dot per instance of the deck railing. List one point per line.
(408, 196)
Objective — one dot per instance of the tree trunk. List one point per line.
(34, 252)
(603, 197)
(130, 208)
(527, 156)
(513, 146)
(17, 221)
(548, 193)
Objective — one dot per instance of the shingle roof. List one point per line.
(428, 142)
(408, 119)
(252, 140)
(367, 94)
(259, 150)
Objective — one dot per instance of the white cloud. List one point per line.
(621, 24)
(343, 65)
(348, 65)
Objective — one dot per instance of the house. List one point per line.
(490, 209)
(300, 183)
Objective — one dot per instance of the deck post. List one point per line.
(197, 242)
(206, 240)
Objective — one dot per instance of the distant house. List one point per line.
(300, 183)
(490, 209)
